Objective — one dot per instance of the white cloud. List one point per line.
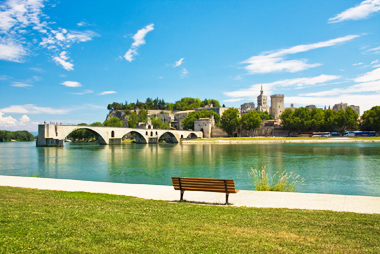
(363, 10)
(84, 92)
(106, 92)
(4, 77)
(374, 50)
(71, 84)
(19, 84)
(7, 121)
(138, 41)
(21, 18)
(24, 119)
(297, 83)
(178, 63)
(184, 73)
(32, 109)
(37, 69)
(355, 64)
(369, 76)
(233, 100)
(373, 86)
(61, 60)
(10, 50)
(82, 23)
(274, 61)
(376, 61)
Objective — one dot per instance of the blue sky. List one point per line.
(64, 61)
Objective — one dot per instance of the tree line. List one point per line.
(6, 136)
(304, 120)
(186, 103)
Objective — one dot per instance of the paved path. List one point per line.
(341, 203)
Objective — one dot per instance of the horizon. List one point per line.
(66, 61)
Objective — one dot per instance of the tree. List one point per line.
(97, 124)
(264, 115)
(371, 119)
(230, 120)
(113, 122)
(250, 121)
(347, 119)
(133, 120)
(143, 115)
(158, 124)
(330, 123)
(188, 121)
(187, 104)
(288, 121)
(317, 122)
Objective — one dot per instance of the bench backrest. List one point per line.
(204, 184)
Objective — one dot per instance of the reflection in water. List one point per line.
(326, 168)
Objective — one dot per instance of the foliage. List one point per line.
(158, 124)
(303, 120)
(284, 182)
(187, 104)
(250, 120)
(371, 119)
(133, 120)
(113, 122)
(156, 104)
(143, 115)
(230, 120)
(188, 121)
(265, 115)
(6, 136)
(215, 103)
(35, 221)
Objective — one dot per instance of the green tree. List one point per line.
(97, 124)
(371, 119)
(347, 119)
(187, 104)
(133, 120)
(113, 122)
(330, 122)
(158, 124)
(230, 120)
(188, 121)
(265, 115)
(317, 122)
(288, 120)
(143, 115)
(250, 121)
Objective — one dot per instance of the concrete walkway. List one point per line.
(292, 200)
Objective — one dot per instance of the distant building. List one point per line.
(218, 110)
(291, 107)
(343, 106)
(262, 102)
(204, 125)
(310, 107)
(277, 105)
(247, 107)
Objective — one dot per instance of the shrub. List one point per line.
(284, 181)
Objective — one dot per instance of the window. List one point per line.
(112, 134)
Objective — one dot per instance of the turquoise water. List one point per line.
(339, 168)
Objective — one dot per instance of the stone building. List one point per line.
(291, 107)
(310, 107)
(205, 125)
(262, 102)
(277, 105)
(247, 107)
(343, 106)
(218, 110)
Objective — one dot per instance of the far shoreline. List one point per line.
(265, 140)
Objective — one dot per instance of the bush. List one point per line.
(284, 182)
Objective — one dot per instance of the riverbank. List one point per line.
(291, 200)
(264, 140)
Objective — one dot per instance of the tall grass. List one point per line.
(285, 182)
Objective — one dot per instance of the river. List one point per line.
(332, 168)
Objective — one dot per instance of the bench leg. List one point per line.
(226, 199)
(182, 195)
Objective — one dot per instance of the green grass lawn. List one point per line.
(71, 222)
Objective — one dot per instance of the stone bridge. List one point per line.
(54, 135)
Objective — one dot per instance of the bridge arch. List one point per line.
(192, 136)
(102, 139)
(140, 137)
(169, 137)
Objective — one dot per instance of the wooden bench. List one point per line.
(204, 184)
